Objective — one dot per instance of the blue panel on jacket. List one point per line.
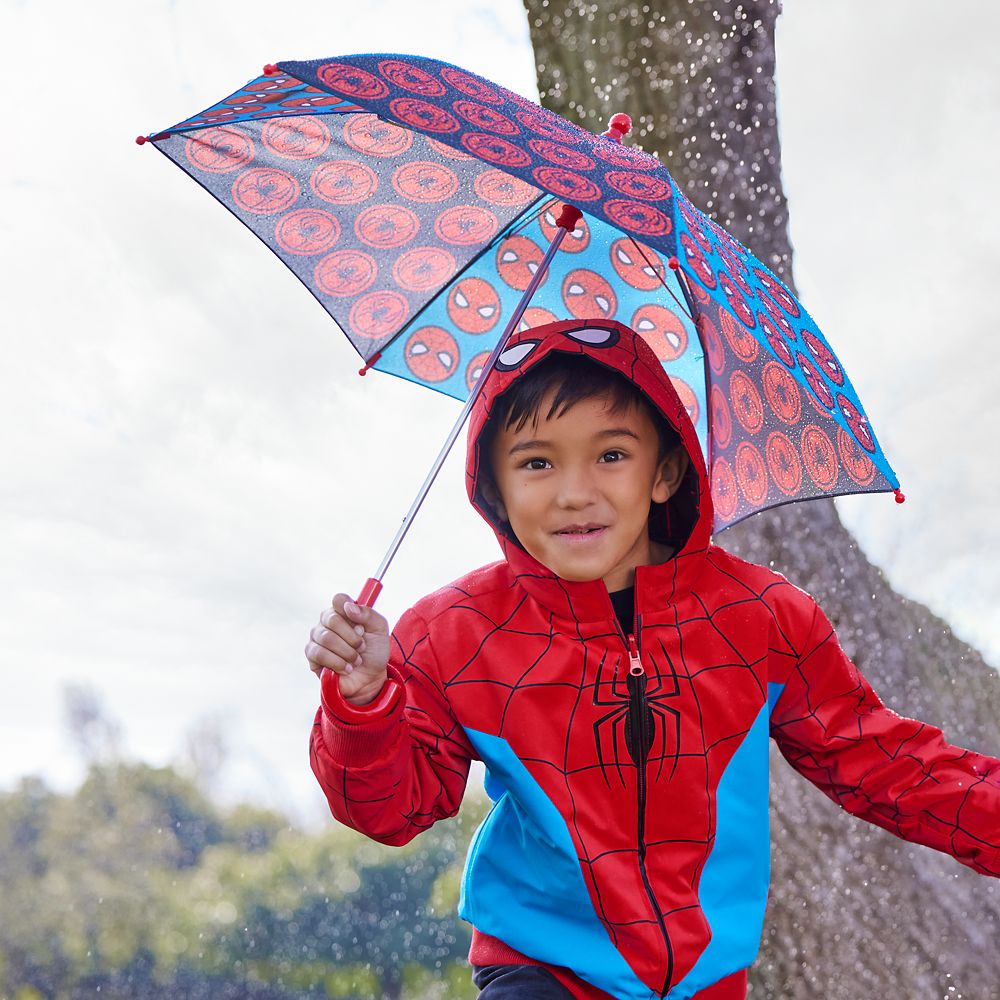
(740, 857)
(523, 883)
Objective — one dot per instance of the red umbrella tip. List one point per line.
(270, 69)
(140, 140)
(674, 264)
(900, 497)
(620, 124)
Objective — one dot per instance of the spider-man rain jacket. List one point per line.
(641, 864)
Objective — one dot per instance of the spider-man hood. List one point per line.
(685, 523)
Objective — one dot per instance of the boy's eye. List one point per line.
(614, 455)
(536, 463)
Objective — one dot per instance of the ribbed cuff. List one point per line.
(358, 735)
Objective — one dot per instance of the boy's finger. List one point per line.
(320, 658)
(346, 648)
(344, 627)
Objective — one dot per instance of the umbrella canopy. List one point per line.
(415, 201)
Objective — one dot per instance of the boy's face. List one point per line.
(576, 488)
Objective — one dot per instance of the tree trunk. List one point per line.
(854, 913)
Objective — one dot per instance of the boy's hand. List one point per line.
(353, 642)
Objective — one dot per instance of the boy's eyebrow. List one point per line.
(542, 443)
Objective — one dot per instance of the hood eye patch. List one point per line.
(511, 357)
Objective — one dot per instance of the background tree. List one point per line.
(853, 911)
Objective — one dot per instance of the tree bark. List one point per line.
(854, 912)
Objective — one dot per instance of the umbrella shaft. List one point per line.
(536, 280)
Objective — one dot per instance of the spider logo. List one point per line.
(636, 708)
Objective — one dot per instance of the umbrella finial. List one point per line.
(900, 496)
(270, 69)
(620, 125)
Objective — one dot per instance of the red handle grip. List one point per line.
(369, 593)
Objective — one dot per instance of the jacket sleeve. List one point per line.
(895, 772)
(394, 767)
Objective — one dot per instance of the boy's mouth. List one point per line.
(580, 530)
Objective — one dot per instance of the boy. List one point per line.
(619, 676)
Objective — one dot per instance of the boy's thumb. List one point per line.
(364, 616)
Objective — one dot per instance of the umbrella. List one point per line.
(415, 199)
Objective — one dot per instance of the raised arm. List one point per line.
(895, 772)
(396, 765)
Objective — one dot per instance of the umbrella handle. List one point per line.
(369, 593)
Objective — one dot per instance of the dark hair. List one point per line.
(573, 377)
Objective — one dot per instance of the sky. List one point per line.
(193, 468)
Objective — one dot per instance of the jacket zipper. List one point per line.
(637, 712)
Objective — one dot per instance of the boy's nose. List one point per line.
(576, 490)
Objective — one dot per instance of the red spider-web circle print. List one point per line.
(751, 473)
(724, 495)
(466, 225)
(722, 421)
(819, 457)
(299, 138)
(422, 115)
(351, 81)
(858, 423)
(561, 156)
(343, 182)
(782, 392)
(423, 268)
(712, 343)
(644, 220)
(425, 181)
(485, 118)
(566, 184)
(741, 340)
(219, 150)
(501, 188)
(386, 226)
(345, 273)
(854, 461)
(378, 314)
(411, 78)
(470, 86)
(746, 402)
(369, 136)
(783, 463)
(265, 190)
(307, 231)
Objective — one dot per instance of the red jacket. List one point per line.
(632, 868)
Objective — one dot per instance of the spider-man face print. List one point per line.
(518, 258)
(588, 294)
(662, 329)
(634, 267)
(431, 354)
(473, 305)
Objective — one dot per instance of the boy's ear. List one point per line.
(670, 474)
(492, 495)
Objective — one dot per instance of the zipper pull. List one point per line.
(635, 667)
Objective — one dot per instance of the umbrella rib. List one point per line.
(669, 290)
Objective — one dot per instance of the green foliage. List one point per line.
(139, 885)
